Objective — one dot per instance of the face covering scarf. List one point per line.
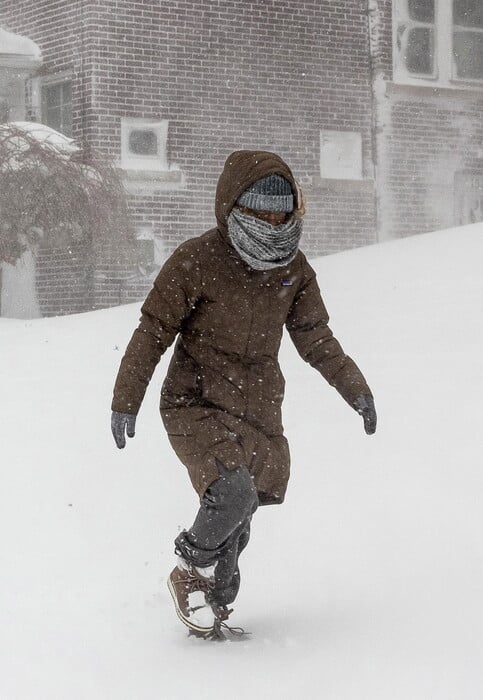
(262, 245)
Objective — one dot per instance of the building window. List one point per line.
(144, 144)
(438, 41)
(468, 198)
(57, 106)
(149, 250)
(340, 155)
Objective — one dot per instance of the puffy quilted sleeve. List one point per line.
(307, 323)
(171, 300)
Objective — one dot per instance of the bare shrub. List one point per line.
(66, 196)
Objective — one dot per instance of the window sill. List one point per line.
(338, 184)
(20, 63)
(148, 180)
(413, 87)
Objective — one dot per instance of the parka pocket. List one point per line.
(182, 386)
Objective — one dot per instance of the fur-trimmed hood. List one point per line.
(243, 168)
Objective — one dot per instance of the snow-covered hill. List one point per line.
(365, 585)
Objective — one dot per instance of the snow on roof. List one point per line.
(14, 46)
(18, 52)
(43, 134)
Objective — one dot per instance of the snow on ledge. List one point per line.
(18, 50)
(43, 134)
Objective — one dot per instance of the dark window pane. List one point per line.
(67, 109)
(420, 51)
(66, 92)
(53, 118)
(468, 55)
(145, 253)
(468, 13)
(51, 94)
(57, 107)
(143, 142)
(66, 127)
(421, 10)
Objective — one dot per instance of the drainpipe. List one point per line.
(376, 127)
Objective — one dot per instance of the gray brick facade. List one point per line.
(229, 74)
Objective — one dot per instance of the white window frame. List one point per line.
(136, 161)
(340, 155)
(444, 74)
(35, 87)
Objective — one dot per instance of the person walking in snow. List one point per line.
(226, 297)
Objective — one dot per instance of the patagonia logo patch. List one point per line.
(287, 283)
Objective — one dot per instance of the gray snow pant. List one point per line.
(221, 530)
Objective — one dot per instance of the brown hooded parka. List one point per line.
(223, 392)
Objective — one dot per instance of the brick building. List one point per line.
(428, 107)
(375, 104)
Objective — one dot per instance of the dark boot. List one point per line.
(220, 532)
(227, 571)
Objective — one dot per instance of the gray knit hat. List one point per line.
(271, 193)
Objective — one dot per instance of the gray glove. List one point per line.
(122, 424)
(364, 405)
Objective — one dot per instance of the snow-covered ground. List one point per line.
(365, 585)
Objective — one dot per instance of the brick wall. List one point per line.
(64, 280)
(426, 135)
(433, 136)
(270, 74)
(117, 278)
(342, 209)
(232, 75)
(226, 74)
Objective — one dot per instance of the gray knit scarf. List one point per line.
(262, 245)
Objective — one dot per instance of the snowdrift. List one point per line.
(365, 585)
